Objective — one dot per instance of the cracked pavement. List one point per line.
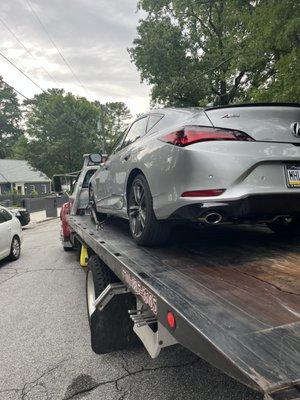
(45, 351)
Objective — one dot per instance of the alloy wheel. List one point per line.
(137, 209)
(15, 247)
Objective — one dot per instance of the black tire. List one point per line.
(68, 248)
(100, 217)
(15, 248)
(111, 328)
(153, 232)
(286, 226)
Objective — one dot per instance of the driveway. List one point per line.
(44, 340)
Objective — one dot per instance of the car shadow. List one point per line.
(4, 262)
(232, 244)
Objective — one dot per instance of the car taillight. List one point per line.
(171, 320)
(203, 193)
(195, 134)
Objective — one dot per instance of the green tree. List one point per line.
(195, 52)
(10, 118)
(276, 32)
(113, 119)
(60, 128)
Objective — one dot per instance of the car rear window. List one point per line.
(153, 120)
(136, 131)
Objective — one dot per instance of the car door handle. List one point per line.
(126, 157)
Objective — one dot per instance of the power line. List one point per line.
(21, 94)
(84, 125)
(215, 67)
(22, 72)
(56, 47)
(28, 51)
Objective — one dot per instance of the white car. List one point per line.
(10, 235)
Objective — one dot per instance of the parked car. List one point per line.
(220, 164)
(21, 213)
(10, 235)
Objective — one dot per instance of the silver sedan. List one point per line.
(212, 166)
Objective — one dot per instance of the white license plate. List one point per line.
(293, 176)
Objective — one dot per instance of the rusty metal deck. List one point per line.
(235, 292)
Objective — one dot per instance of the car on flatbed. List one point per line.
(228, 293)
(230, 164)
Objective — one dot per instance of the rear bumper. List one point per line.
(250, 207)
(242, 168)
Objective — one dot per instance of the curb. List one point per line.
(44, 220)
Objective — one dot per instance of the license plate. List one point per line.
(293, 176)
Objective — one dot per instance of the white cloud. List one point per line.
(92, 35)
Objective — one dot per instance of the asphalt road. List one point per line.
(44, 340)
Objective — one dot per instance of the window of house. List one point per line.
(153, 120)
(44, 189)
(31, 188)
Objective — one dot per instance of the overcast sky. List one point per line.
(93, 36)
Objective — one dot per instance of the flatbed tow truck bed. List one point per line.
(234, 291)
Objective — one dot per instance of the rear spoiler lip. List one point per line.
(297, 105)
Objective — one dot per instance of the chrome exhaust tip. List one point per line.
(211, 218)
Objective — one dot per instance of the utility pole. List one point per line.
(101, 128)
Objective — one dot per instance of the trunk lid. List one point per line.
(268, 123)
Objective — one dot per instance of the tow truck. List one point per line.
(230, 294)
(77, 183)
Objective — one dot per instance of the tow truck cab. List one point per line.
(78, 183)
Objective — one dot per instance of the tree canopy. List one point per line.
(113, 119)
(61, 127)
(195, 52)
(10, 119)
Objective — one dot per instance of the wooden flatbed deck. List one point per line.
(235, 292)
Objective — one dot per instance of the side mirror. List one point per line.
(95, 158)
(57, 184)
